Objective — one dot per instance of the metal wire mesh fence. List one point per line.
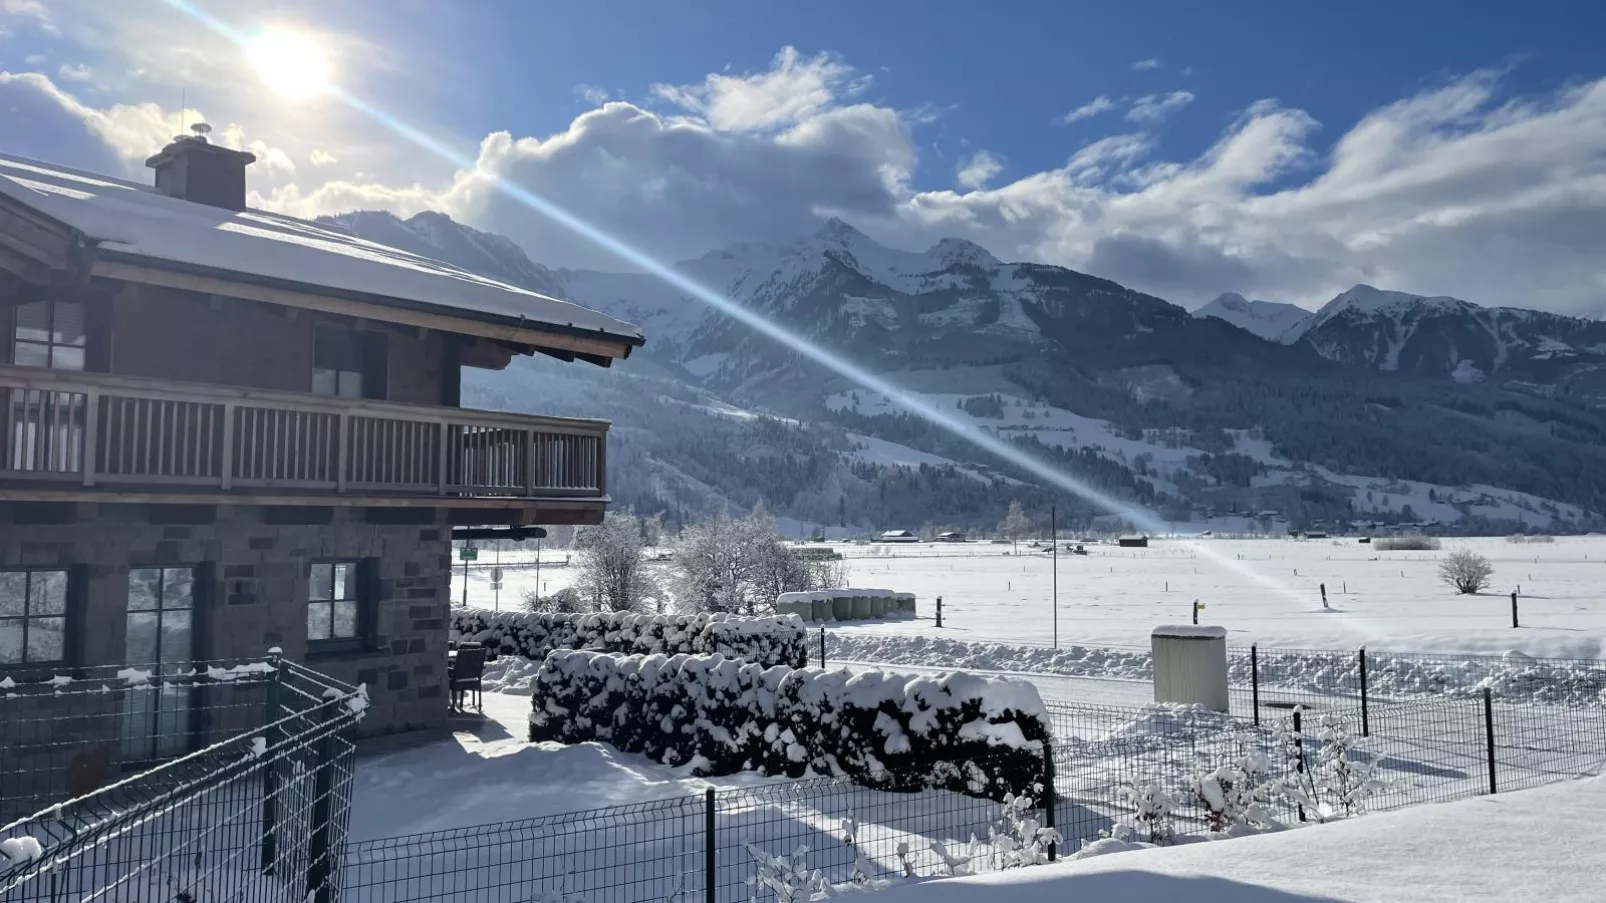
(257, 815)
(1105, 761)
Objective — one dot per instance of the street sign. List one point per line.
(468, 553)
(496, 577)
(496, 584)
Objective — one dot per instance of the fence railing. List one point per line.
(90, 429)
(257, 813)
(695, 848)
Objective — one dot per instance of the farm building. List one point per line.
(1133, 542)
(897, 536)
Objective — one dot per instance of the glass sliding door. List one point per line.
(158, 720)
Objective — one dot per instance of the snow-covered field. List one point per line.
(1264, 591)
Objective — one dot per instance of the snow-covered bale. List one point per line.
(777, 640)
(845, 604)
(974, 735)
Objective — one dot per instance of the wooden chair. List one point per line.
(466, 674)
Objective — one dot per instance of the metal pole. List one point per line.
(1054, 538)
(538, 567)
(1254, 680)
(710, 862)
(822, 647)
(1299, 749)
(465, 583)
(270, 769)
(1366, 719)
(320, 852)
(939, 611)
(1050, 799)
(1513, 609)
(1488, 734)
(496, 592)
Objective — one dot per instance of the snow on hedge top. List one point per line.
(135, 219)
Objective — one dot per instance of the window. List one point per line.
(334, 600)
(33, 617)
(349, 362)
(50, 334)
(161, 605)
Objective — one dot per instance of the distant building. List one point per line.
(897, 536)
(1315, 534)
(950, 536)
(1133, 542)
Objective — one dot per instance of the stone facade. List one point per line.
(253, 564)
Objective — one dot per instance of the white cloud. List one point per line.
(34, 59)
(76, 73)
(591, 94)
(321, 157)
(1097, 105)
(1154, 108)
(1150, 63)
(1456, 190)
(793, 90)
(977, 171)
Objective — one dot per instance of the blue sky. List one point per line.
(1283, 150)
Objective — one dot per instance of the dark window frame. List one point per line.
(68, 618)
(198, 577)
(49, 343)
(347, 354)
(365, 597)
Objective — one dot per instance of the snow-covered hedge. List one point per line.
(779, 640)
(979, 736)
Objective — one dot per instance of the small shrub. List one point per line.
(1525, 538)
(1466, 572)
(1150, 818)
(1407, 544)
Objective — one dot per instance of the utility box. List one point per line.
(1190, 665)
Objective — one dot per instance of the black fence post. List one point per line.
(1299, 751)
(1050, 797)
(939, 611)
(1366, 715)
(270, 768)
(710, 861)
(320, 855)
(1488, 734)
(1254, 681)
(822, 647)
(1513, 608)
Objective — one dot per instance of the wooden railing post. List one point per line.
(90, 436)
(445, 451)
(342, 450)
(531, 438)
(226, 447)
(602, 464)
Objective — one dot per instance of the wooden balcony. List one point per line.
(89, 435)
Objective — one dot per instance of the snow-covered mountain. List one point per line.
(1196, 416)
(1274, 321)
(1524, 350)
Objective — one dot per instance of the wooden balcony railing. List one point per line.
(94, 429)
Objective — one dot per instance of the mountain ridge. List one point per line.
(1178, 412)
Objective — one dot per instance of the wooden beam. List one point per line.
(486, 354)
(545, 507)
(213, 285)
(25, 232)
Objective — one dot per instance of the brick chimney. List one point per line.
(194, 169)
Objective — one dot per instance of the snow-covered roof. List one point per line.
(135, 222)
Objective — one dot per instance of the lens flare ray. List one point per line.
(759, 323)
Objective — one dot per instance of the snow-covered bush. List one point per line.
(1239, 793)
(1020, 838)
(742, 564)
(613, 573)
(1149, 820)
(789, 878)
(978, 736)
(777, 640)
(1465, 571)
(1330, 773)
(1407, 544)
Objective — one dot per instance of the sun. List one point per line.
(292, 63)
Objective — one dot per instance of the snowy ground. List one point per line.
(1546, 844)
(494, 774)
(1262, 591)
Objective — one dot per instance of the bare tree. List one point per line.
(1015, 526)
(741, 565)
(613, 573)
(1466, 571)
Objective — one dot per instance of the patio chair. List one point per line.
(465, 677)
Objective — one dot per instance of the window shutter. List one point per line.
(375, 364)
(368, 602)
(77, 614)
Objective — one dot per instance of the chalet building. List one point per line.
(226, 430)
(897, 536)
(1133, 541)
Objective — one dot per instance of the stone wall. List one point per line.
(254, 563)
